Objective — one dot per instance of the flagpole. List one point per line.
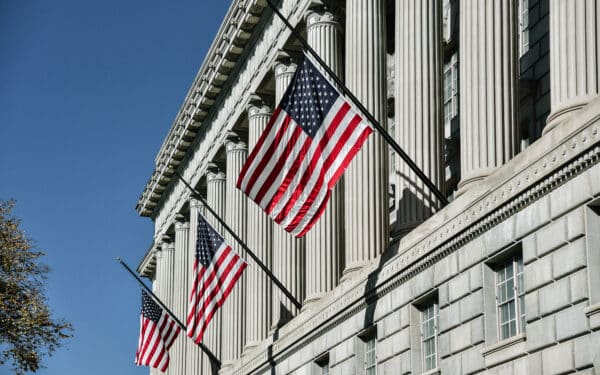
(258, 262)
(157, 300)
(411, 164)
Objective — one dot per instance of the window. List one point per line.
(429, 333)
(322, 365)
(450, 94)
(510, 297)
(370, 356)
(523, 26)
(447, 20)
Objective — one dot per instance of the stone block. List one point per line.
(405, 316)
(520, 367)
(500, 236)
(576, 224)
(476, 277)
(554, 296)
(579, 286)
(585, 350)
(385, 349)
(537, 274)
(558, 359)
(445, 269)
(571, 322)
(444, 344)
(383, 307)
(458, 287)
(449, 317)
(477, 331)
(405, 362)
(460, 338)
(443, 298)
(529, 248)
(472, 360)
(540, 334)
(390, 324)
(534, 363)
(451, 365)
(569, 258)
(471, 306)
(389, 367)
(532, 217)
(470, 254)
(422, 282)
(532, 306)
(570, 195)
(505, 369)
(595, 176)
(551, 236)
(401, 341)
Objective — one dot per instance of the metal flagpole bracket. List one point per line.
(207, 351)
(346, 91)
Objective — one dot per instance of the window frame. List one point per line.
(515, 262)
(432, 304)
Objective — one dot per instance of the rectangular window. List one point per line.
(523, 26)
(510, 298)
(429, 332)
(322, 365)
(450, 79)
(370, 356)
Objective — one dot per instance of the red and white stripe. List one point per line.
(155, 341)
(211, 287)
(290, 176)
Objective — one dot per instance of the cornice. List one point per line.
(222, 57)
(556, 158)
(148, 263)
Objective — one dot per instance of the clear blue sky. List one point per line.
(88, 90)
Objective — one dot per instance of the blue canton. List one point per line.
(309, 97)
(150, 309)
(207, 243)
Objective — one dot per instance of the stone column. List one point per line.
(488, 63)
(325, 241)
(182, 267)
(366, 200)
(167, 272)
(234, 309)
(260, 234)
(288, 252)
(418, 100)
(156, 284)
(215, 198)
(195, 358)
(574, 49)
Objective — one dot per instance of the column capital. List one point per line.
(196, 203)
(316, 17)
(258, 109)
(284, 69)
(235, 146)
(215, 175)
(181, 223)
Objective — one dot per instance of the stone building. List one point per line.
(496, 101)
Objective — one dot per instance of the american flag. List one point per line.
(158, 331)
(216, 269)
(309, 141)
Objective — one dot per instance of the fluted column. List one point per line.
(366, 202)
(234, 309)
(167, 272)
(215, 198)
(325, 241)
(574, 49)
(289, 259)
(418, 100)
(195, 358)
(488, 63)
(181, 267)
(156, 286)
(260, 235)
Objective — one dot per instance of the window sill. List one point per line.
(434, 371)
(505, 350)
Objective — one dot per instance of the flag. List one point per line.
(216, 269)
(158, 331)
(309, 141)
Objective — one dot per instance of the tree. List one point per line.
(28, 331)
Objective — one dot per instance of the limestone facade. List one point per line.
(503, 280)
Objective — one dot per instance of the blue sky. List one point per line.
(88, 90)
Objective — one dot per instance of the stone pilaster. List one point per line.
(234, 309)
(288, 252)
(488, 63)
(195, 358)
(215, 198)
(180, 298)
(366, 202)
(325, 241)
(418, 101)
(574, 49)
(260, 236)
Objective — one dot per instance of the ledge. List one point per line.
(499, 346)
(505, 350)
